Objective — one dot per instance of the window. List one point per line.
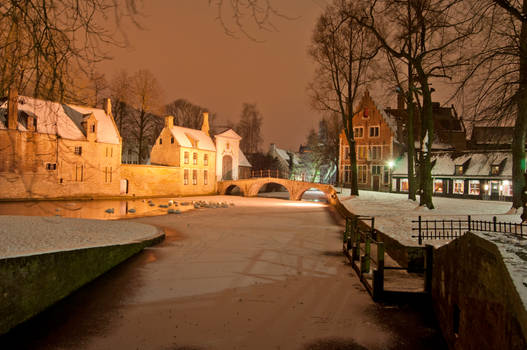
(346, 152)
(376, 169)
(365, 113)
(205, 177)
(78, 150)
(459, 186)
(185, 177)
(93, 128)
(79, 172)
(51, 166)
(347, 174)
(458, 170)
(172, 140)
(495, 169)
(160, 141)
(375, 152)
(404, 185)
(358, 132)
(186, 158)
(506, 188)
(363, 174)
(206, 159)
(473, 187)
(374, 131)
(438, 186)
(107, 174)
(386, 178)
(194, 177)
(363, 152)
(195, 158)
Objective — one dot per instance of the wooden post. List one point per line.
(378, 274)
(420, 238)
(365, 260)
(356, 247)
(494, 222)
(429, 262)
(469, 223)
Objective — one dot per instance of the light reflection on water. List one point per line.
(96, 209)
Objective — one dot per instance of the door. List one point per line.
(494, 190)
(226, 173)
(376, 182)
(124, 186)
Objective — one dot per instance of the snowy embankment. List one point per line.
(30, 235)
(394, 214)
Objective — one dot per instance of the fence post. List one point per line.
(420, 238)
(378, 274)
(494, 221)
(365, 260)
(356, 246)
(373, 234)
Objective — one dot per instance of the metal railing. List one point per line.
(454, 228)
(269, 173)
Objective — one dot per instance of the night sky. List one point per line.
(187, 50)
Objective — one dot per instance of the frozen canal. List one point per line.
(263, 274)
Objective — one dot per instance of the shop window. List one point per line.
(185, 177)
(404, 185)
(506, 188)
(473, 187)
(358, 132)
(438, 186)
(459, 186)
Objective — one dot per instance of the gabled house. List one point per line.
(231, 163)
(51, 150)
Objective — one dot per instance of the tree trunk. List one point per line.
(520, 126)
(410, 140)
(427, 123)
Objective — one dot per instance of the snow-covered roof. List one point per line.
(63, 120)
(229, 133)
(242, 160)
(388, 118)
(186, 136)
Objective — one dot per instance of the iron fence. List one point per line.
(454, 228)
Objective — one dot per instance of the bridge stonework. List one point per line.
(296, 189)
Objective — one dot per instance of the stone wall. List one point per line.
(151, 180)
(30, 284)
(475, 300)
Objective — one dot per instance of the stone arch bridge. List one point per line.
(251, 187)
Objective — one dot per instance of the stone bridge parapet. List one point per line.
(251, 187)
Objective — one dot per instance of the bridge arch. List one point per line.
(234, 190)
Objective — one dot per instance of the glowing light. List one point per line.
(506, 183)
(486, 187)
(501, 188)
(391, 163)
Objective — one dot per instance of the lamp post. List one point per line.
(391, 163)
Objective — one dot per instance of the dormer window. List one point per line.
(458, 170)
(495, 169)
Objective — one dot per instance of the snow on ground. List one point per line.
(394, 214)
(29, 235)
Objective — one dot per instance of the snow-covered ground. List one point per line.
(394, 214)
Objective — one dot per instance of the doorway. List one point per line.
(226, 173)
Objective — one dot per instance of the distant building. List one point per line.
(49, 149)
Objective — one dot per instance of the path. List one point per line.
(264, 275)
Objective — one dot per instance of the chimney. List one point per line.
(205, 126)
(108, 106)
(400, 100)
(169, 121)
(12, 109)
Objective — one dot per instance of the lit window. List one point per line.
(459, 186)
(365, 113)
(473, 187)
(438, 186)
(374, 131)
(404, 185)
(363, 174)
(506, 188)
(194, 177)
(206, 159)
(194, 158)
(458, 170)
(363, 152)
(495, 169)
(186, 158)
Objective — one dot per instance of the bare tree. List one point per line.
(342, 51)
(187, 114)
(121, 93)
(428, 35)
(145, 99)
(250, 128)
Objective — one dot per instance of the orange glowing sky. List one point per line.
(192, 57)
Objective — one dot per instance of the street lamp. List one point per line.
(391, 163)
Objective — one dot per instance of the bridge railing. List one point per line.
(276, 173)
